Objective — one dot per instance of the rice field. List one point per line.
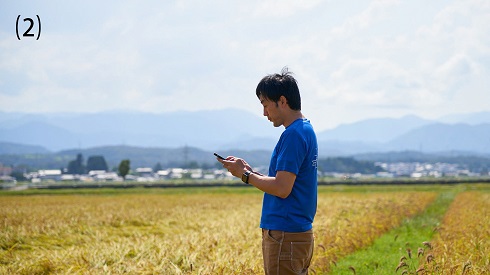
(215, 231)
(463, 243)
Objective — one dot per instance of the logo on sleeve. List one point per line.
(314, 162)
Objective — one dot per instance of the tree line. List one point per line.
(348, 165)
(77, 167)
(337, 164)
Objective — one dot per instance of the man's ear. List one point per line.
(283, 101)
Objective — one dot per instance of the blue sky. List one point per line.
(353, 59)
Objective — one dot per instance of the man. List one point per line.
(290, 188)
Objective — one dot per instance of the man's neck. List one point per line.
(292, 117)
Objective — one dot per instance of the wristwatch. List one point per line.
(245, 176)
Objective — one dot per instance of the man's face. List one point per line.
(271, 111)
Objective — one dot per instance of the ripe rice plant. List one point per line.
(157, 234)
(462, 245)
(177, 233)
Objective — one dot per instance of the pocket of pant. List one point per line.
(274, 236)
(301, 254)
(270, 248)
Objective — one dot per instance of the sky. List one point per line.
(353, 60)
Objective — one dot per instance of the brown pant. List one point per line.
(286, 252)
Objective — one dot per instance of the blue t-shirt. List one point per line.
(295, 152)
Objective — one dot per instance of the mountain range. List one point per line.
(233, 129)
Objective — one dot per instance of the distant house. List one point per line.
(222, 174)
(5, 170)
(177, 173)
(7, 179)
(196, 173)
(69, 177)
(46, 175)
(145, 172)
(163, 174)
(101, 175)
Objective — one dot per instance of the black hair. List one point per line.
(274, 86)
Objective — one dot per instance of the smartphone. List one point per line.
(217, 155)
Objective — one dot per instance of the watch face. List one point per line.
(245, 176)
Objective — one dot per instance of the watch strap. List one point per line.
(245, 176)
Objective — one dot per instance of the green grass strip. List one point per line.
(384, 255)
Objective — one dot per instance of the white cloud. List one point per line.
(282, 8)
(353, 60)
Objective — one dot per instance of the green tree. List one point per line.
(157, 167)
(124, 167)
(96, 163)
(348, 165)
(18, 175)
(76, 167)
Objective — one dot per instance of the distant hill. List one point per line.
(445, 137)
(233, 129)
(9, 148)
(408, 133)
(203, 129)
(39, 133)
(189, 156)
(377, 130)
(167, 157)
(469, 118)
(475, 163)
(139, 157)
